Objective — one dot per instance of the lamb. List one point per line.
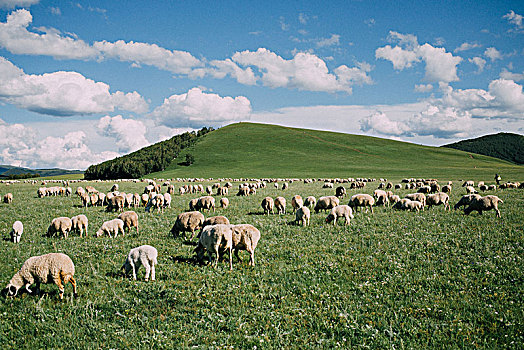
(484, 204)
(54, 268)
(420, 197)
(145, 255)
(296, 202)
(110, 227)
(211, 239)
(362, 200)
(16, 232)
(414, 205)
(338, 212)
(188, 222)
(438, 199)
(303, 216)
(245, 237)
(8, 198)
(325, 203)
(466, 200)
(401, 204)
(130, 219)
(340, 192)
(310, 202)
(268, 205)
(62, 225)
(224, 202)
(280, 204)
(79, 224)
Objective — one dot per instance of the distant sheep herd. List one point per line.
(217, 235)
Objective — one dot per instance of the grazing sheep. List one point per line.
(296, 202)
(424, 189)
(420, 197)
(209, 190)
(414, 206)
(470, 190)
(325, 203)
(466, 200)
(394, 199)
(362, 200)
(446, 189)
(61, 225)
(338, 212)
(215, 220)
(340, 192)
(381, 197)
(468, 183)
(303, 216)
(116, 203)
(156, 202)
(285, 186)
(8, 198)
(167, 200)
(193, 204)
(130, 219)
(206, 202)
(243, 191)
(211, 239)
(110, 227)
(54, 268)
(245, 237)
(438, 199)
(268, 205)
(310, 202)
(484, 204)
(16, 232)
(222, 191)
(401, 204)
(79, 224)
(144, 199)
(188, 222)
(114, 188)
(145, 255)
(136, 200)
(224, 202)
(280, 204)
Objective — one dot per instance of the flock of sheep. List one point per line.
(217, 235)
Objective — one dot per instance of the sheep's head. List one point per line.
(99, 233)
(10, 290)
(200, 251)
(330, 218)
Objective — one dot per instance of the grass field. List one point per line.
(259, 150)
(432, 279)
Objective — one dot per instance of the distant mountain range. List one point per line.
(506, 146)
(9, 170)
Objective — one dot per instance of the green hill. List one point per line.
(260, 150)
(506, 146)
(9, 171)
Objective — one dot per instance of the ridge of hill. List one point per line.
(9, 171)
(264, 150)
(504, 145)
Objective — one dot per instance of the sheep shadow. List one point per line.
(115, 274)
(185, 260)
(256, 213)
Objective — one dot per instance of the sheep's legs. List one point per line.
(73, 283)
(27, 288)
(152, 271)
(230, 259)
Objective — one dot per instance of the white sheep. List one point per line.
(79, 224)
(303, 215)
(54, 268)
(310, 202)
(130, 219)
(268, 205)
(296, 202)
(484, 204)
(245, 237)
(280, 204)
(188, 222)
(111, 227)
(16, 232)
(8, 198)
(325, 203)
(362, 200)
(438, 199)
(224, 202)
(211, 239)
(61, 225)
(338, 212)
(466, 200)
(144, 255)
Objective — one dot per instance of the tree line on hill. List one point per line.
(146, 160)
(506, 146)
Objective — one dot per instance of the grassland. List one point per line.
(258, 150)
(432, 279)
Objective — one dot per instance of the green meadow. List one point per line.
(418, 280)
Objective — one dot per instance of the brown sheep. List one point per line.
(188, 222)
(362, 200)
(484, 204)
(325, 203)
(130, 219)
(268, 205)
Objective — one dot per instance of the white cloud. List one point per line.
(22, 146)
(466, 46)
(128, 133)
(303, 18)
(493, 54)
(423, 88)
(62, 93)
(505, 74)
(334, 39)
(514, 19)
(220, 69)
(304, 72)
(370, 22)
(15, 38)
(441, 66)
(11, 4)
(378, 122)
(179, 62)
(479, 62)
(197, 108)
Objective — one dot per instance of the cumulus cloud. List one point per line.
(304, 71)
(179, 62)
(514, 19)
(379, 123)
(11, 4)
(128, 133)
(505, 74)
(423, 88)
(441, 66)
(220, 69)
(466, 46)
(197, 108)
(479, 62)
(22, 146)
(334, 39)
(15, 38)
(493, 54)
(62, 93)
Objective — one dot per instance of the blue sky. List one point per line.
(82, 82)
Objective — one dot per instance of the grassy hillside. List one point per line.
(7, 170)
(259, 150)
(503, 145)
